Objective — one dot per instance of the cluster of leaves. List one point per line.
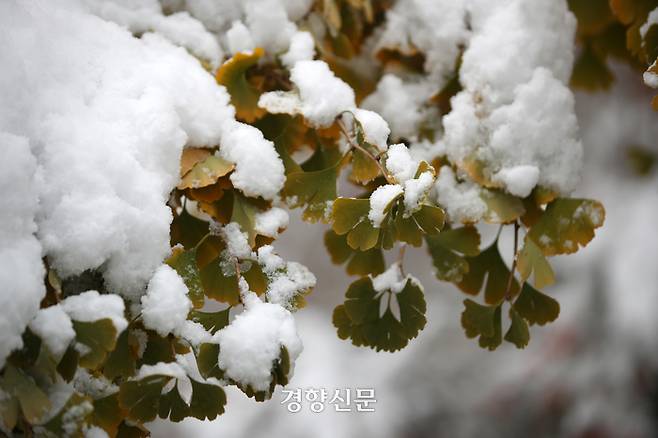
(383, 320)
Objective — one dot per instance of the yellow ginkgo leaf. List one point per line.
(244, 96)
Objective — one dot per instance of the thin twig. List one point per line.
(354, 145)
(403, 248)
(508, 290)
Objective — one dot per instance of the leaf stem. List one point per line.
(403, 249)
(374, 158)
(508, 290)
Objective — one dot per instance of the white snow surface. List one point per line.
(91, 306)
(21, 268)
(375, 128)
(380, 200)
(252, 341)
(461, 200)
(319, 95)
(258, 168)
(400, 164)
(165, 305)
(55, 328)
(268, 223)
(106, 125)
(515, 108)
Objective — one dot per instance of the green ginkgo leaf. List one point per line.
(518, 333)
(567, 224)
(141, 398)
(531, 260)
(448, 249)
(99, 337)
(358, 262)
(489, 270)
(484, 322)
(536, 307)
(359, 317)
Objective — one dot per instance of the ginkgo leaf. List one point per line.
(536, 307)
(359, 317)
(108, 414)
(190, 157)
(72, 418)
(206, 172)
(208, 400)
(358, 262)
(141, 398)
(489, 269)
(34, 403)
(173, 406)
(566, 224)
(312, 190)
(518, 333)
(99, 337)
(532, 260)
(364, 168)
(446, 249)
(211, 321)
(185, 264)
(121, 361)
(502, 208)
(244, 96)
(187, 230)
(483, 321)
(244, 213)
(68, 364)
(207, 359)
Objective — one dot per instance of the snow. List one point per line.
(415, 190)
(380, 201)
(519, 180)
(302, 47)
(258, 168)
(319, 96)
(95, 432)
(399, 103)
(375, 128)
(461, 200)
(390, 280)
(236, 241)
(650, 78)
(400, 164)
(268, 223)
(270, 261)
(194, 333)
(516, 109)
(286, 284)
(239, 38)
(252, 341)
(172, 369)
(165, 305)
(110, 121)
(146, 16)
(652, 19)
(91, 306)
(21, 268)
(436, 28)
(55, 329)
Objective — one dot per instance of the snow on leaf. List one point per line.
(185, 264)
(359, 317)
(567, 224)
(446, 249)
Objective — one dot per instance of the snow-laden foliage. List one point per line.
(152, 150)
